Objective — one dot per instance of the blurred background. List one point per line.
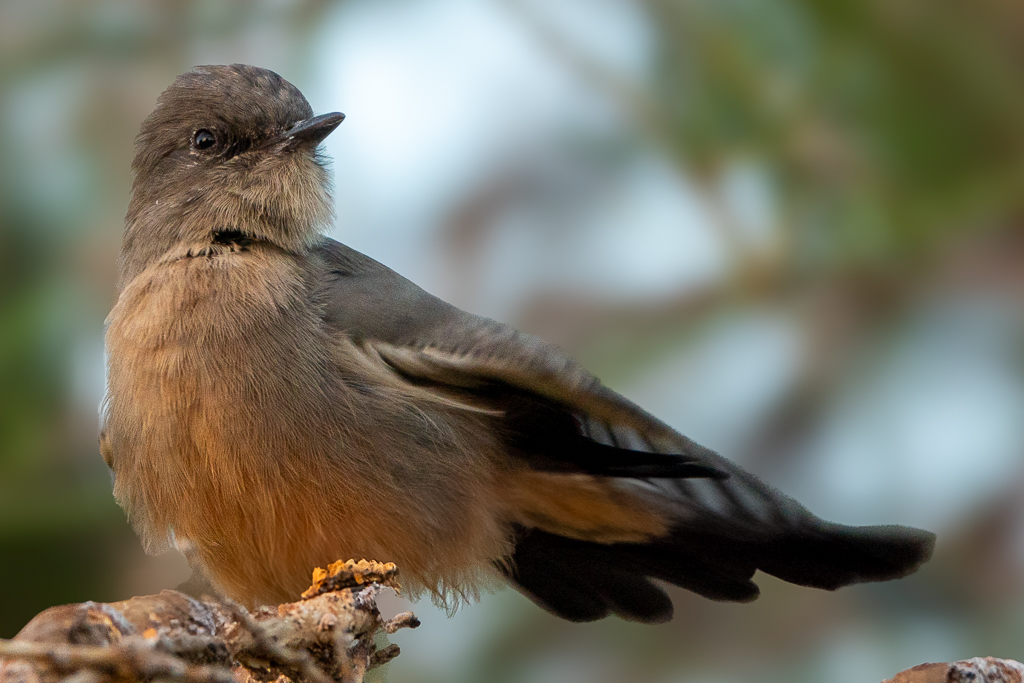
(793, 229)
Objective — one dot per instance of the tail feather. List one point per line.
(723, 523)
(830, 556)
(556, 590)
(583, 581)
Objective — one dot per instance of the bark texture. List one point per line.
(327, 635)
(975, 670)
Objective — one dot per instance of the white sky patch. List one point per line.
(653, 237)
(432, 93)
(747, 192)
(437, 96)
(717, 389)
(937, 420)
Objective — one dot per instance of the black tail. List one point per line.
(584, 581)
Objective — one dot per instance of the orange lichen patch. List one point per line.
(150, 633)
(349, 573)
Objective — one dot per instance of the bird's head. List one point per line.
(228, 150)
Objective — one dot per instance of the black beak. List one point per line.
(311, 132)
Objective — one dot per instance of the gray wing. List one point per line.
(423, 337)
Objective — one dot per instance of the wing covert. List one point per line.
(435, 343)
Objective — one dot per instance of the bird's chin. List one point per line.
(291, 225)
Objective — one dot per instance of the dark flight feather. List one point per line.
(583, 581)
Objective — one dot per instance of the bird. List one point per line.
(277, 400)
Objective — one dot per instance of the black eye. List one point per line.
(204, 139)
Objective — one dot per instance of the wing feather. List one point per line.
(431, 342)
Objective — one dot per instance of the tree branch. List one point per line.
(328, 635)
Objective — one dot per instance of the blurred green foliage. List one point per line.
(884, 125)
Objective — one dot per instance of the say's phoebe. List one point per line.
(277, 401)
